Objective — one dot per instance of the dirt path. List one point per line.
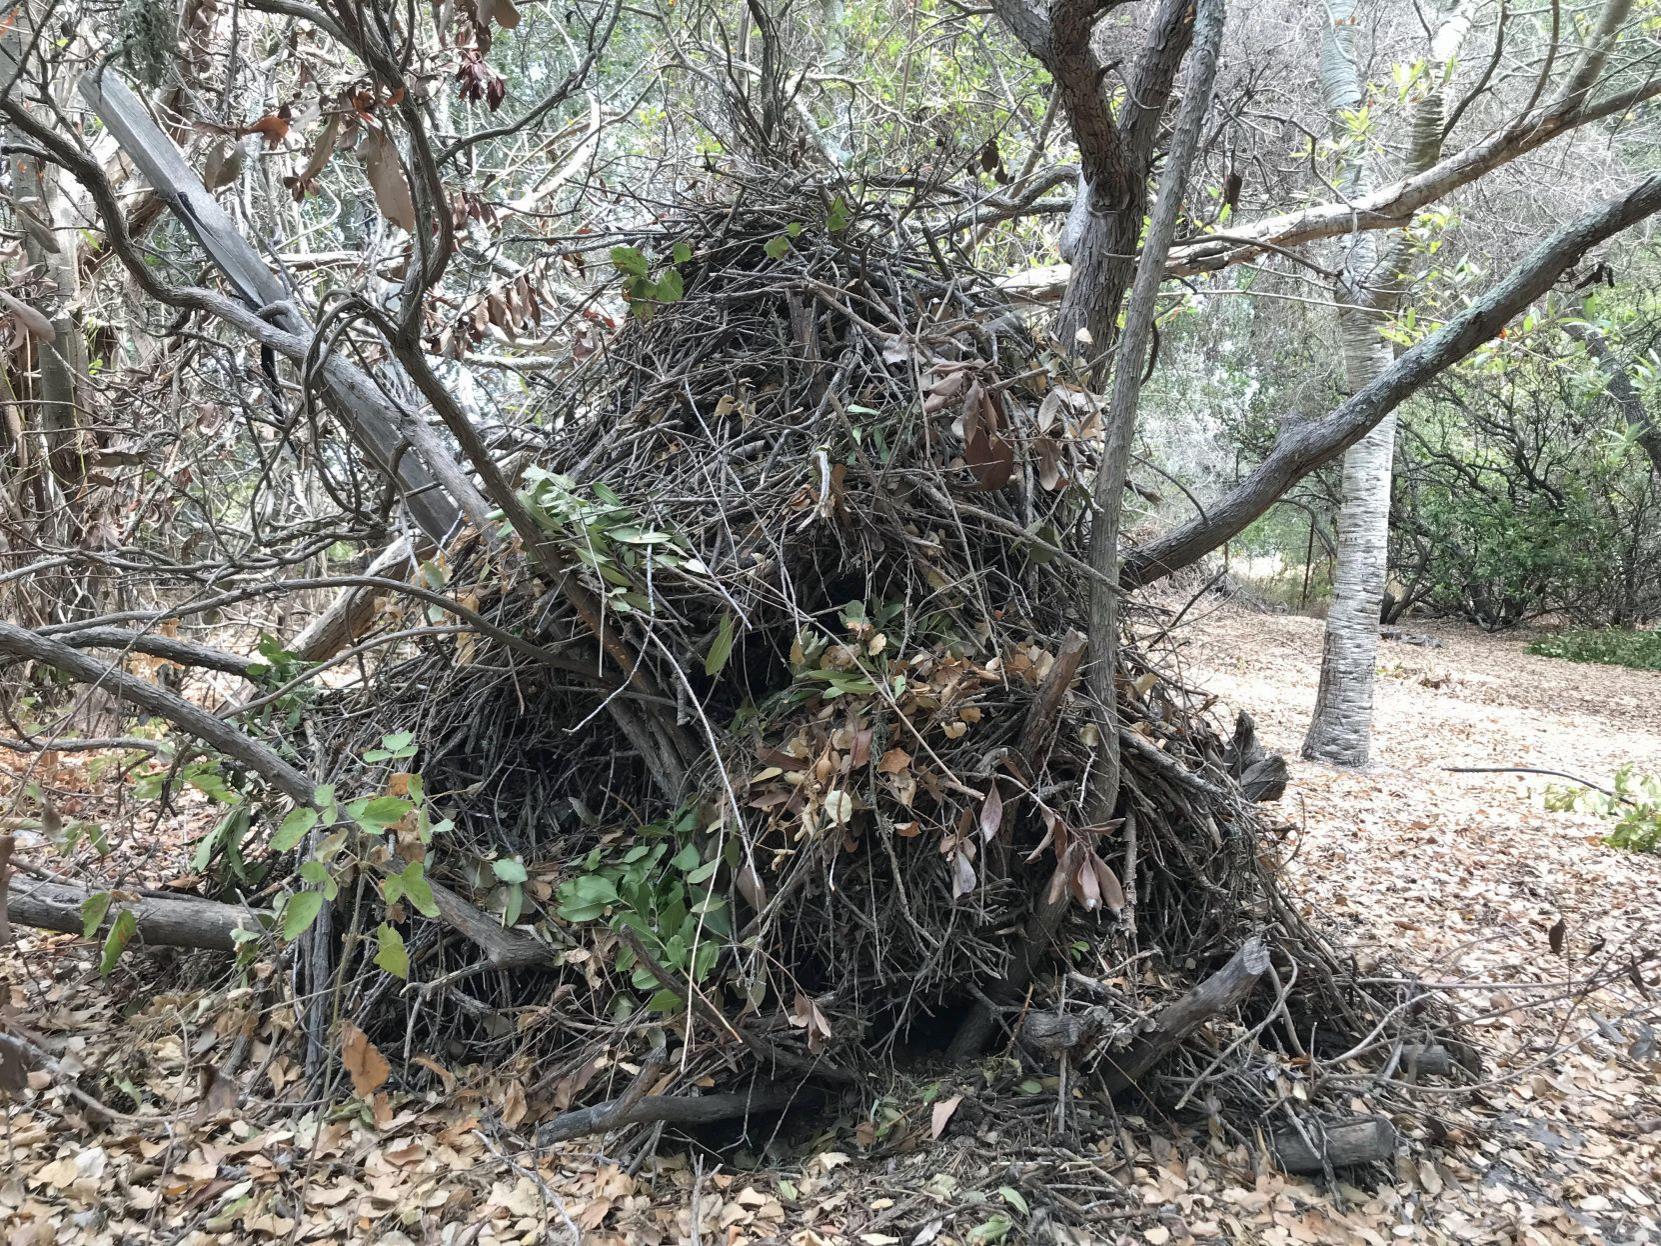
(1463, 877)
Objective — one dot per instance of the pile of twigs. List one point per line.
(832, 497)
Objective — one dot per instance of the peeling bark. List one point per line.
(1367, 294)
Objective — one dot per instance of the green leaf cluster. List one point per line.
(1633, 803)
(1639, 650)
(663, 890)
(608, 539)
(645, 291)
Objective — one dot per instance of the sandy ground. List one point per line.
(1456, 879)
(1462, 877)
(1466, 852)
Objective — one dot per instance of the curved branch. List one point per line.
(260, 758)
(1303, 447)
(1388, 207)
(168, 648)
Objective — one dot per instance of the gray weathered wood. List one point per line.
(1262, 774)
(348, 616)
(162, 920)
(380, 429)
(1361, 1140)
(1222, 992)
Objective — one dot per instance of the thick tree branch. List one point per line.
(1388, 207)
(264, 761)
(168, 648)
(163, 920)
(1302, 447)
(1203, 21)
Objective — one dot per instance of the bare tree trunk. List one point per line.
(1341, 730)
(1127, 389)
(52, 366)
(1366, 294)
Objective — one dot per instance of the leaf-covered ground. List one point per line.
(1463, 878)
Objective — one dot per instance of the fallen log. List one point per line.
(1425, 1060)
(1360, 1140)
(1222, 992)
(506, 949)
(670, 1110)
(162, 921)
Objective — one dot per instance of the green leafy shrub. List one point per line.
(1634, 804)
(1521, 490)
(1639, 650)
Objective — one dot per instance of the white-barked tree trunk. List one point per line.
(1367, 292)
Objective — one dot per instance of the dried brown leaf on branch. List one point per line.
(304, 182)
(387, 180)
(36, 324)
(273, 127)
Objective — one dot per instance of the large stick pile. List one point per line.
(764, 747)
(827, 492)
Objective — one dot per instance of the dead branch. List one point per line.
(1222, 992)
(181, 922)
(1344, 1144)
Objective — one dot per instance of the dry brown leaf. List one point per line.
(991, 812)
(387, 180)
(894, 761)
(37, 325)
(273, 128)
(1107, 885)
(217, 1096)
(365, 1065)
(318, 160)
(805, 1015)
(942, 1115)
(991, 458)
(750, 886)
(514, 1106)
(223, 164)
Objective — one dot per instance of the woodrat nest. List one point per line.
(830, 498)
